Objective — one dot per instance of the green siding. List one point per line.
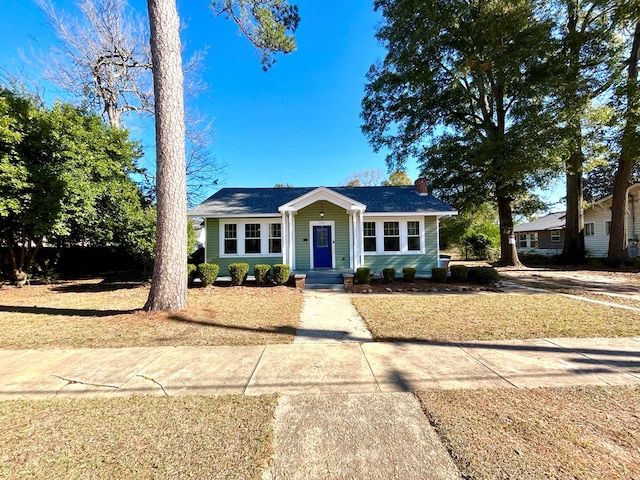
(311, 213)
(422, 263)
(213, 251)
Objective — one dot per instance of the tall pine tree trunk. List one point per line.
(169, 286)
(628, 156)
(508, 250)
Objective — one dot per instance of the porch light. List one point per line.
(321, 209)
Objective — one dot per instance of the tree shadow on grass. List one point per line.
(280, 329)
(103, 286)
(71, 312)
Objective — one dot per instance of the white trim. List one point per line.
(239, 215)
(322, 223)
(240, 238)
(325, 194)
(408, 214)
(402, 225)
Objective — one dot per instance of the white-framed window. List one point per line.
(275, 238)
(555, 235)
(230, 238)
(522, 240)
(383, 236)
(391, 236)
(607, 227)
(369, 233)
(413, 235)
(528, 240)
(250, 238)
(589, 229)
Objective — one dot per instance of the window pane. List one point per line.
(275, 230)
(230, 230)
(413, 228)
(391, 228)
(275, 245)
(555, 236)
(252, 245)
(252, 230)
(322, 237)
(369, 229)
(230, 246)
(413, 243)
(391, 244)
(370, 244)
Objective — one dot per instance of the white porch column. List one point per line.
(361, 238)
(292, 242)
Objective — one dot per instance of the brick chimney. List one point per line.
(421, 186)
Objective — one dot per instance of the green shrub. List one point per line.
(208, 272)
(281, 273)
(238, 272)
(483, 275)
(409, 274)
(363, 275)
(389, 275)
(459, 273)
(439, 275)
(261, 273)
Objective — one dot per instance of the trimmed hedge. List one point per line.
(208, 272)
(459, 273)
(409, 274)
(389, 275)
(238, 272)
(191, 270)
(281, 273)
(439, 275)
(262, 274)
(483, 275)
(363, 275)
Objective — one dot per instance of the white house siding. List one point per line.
(597, 245)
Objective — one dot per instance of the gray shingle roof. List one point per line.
(261, 201)
(551, 221)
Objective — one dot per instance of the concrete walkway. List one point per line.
(318, 368)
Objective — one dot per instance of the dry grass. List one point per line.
(91, 314)
(491, 317)
(562, 433)
(137, 437)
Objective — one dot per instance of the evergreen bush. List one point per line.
(483, 275)
(262, 274)
(208, 272)
(409, 274)
(281, 273)
(238, 272)
(439, 275)
(389, 275)
(459, 273)
(363, 275)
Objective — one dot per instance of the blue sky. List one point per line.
(298, 123)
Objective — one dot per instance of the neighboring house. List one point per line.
(312, 228)
(546, 235)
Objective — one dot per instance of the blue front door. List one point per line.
(322, 247)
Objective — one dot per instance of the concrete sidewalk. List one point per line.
(318, 368)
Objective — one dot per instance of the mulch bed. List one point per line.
(420, 285)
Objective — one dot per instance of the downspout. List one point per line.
(633, 219)
(361, 238)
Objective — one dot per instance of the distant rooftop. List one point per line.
(551, 221)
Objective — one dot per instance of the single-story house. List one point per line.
(311, 228)
(546, 234)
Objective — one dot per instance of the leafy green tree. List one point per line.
(397, 178)
(471, 224)
(461, 90)
(63, 177)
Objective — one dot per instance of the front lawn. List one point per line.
(561, 433)
(137, 437)
(90, 314)
(501, 316)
